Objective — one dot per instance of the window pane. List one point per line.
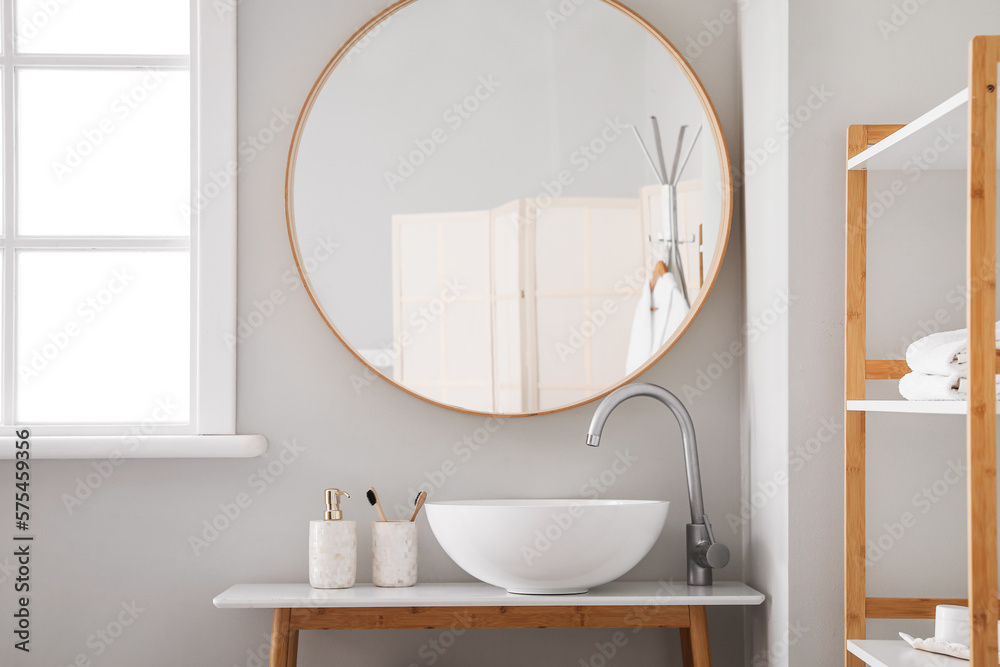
(102, 336)
(104, 26)
(3, 190)
(103, 152)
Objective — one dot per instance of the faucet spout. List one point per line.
(619, 396)
(704, 553)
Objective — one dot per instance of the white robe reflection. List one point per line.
(657, 315)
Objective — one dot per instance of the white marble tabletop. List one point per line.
(616, 593)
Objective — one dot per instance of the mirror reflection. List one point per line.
(530, 200)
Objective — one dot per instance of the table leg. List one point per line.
(284, 640)
(293, 648)
(694, 640)
(688, 658)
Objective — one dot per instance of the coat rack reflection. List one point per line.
(668, 181)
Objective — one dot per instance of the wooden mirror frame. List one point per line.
(712, 274)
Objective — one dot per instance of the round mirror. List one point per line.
(508, 206)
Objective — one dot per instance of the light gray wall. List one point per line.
(870, 72)
(130, 540)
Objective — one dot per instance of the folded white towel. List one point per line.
(923, 387)
(944, 353)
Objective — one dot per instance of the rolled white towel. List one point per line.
(924, 387)
(945, 353)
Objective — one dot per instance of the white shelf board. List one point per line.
(947, 124)
(911, 407)
(897, 653)
(617, 593)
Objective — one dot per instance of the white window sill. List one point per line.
(151, 447)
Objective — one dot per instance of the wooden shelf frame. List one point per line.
(981, 405)
(893, 369)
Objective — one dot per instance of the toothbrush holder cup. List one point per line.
(394, 554)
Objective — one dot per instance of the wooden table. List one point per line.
(619, 604)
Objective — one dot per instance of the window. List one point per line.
(118, 255)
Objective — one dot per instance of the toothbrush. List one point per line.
(373, 499)
(419, 502)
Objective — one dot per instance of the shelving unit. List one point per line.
(960, 133)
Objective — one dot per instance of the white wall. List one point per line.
(763, 171)
(130, 539)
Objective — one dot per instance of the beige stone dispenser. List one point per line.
(333, 546)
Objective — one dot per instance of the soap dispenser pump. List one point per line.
(333, 546)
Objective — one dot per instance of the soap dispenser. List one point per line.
(333, 546)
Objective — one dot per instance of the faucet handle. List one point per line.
(708, 527)
(714, 555)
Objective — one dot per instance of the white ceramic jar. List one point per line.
(394, 554)
(951, 624)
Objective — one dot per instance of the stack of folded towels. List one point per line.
(940, 367)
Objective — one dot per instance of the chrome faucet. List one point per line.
(703, 552)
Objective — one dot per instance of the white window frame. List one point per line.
(211, 432)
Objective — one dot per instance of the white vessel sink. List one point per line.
(547, 547)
